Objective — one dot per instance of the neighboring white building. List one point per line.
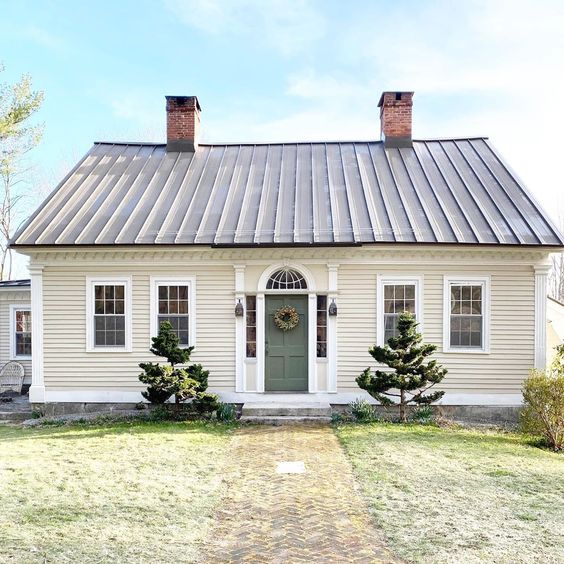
(15, 324)
(347, 233)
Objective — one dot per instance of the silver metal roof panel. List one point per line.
(438, 191)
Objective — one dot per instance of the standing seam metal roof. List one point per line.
(438, 191)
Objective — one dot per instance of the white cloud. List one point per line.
(289, 27)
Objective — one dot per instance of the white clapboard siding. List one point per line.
(8, 298)
(511, 329)
(67, 365)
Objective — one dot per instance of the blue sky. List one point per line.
(293, 70)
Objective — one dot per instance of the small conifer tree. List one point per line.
(164, 381)
(411, 377)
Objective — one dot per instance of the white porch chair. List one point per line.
(11, 377)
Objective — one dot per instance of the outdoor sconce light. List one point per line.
(239, 312)
(333, 308)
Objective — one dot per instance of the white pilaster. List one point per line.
(333, 282)
(312, 343)
(541, 275)
(37, 389)
(260, 342)
(240, 325)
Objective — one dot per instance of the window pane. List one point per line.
(172, 307)
(409, 306)
(389, 306)
(410, 292)
(321, 350)
(173, 292)
(321, 302)
(476, 292)
(119, 307)
(251, 334)
(163, 306)
(321, 318)
(109, 292)
(251, 303)
(251, 318)
(466, 292)
(476, 339)
(251, 350)
(465, 307)
(388, 292)
(99, 292)
(183, 306)
(100, 339)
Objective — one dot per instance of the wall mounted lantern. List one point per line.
(239, 311)
(333, 308)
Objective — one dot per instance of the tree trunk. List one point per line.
(403, 418)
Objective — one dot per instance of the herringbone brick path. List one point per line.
(315, 516)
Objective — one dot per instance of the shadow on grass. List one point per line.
(94, 430)
(415, 434)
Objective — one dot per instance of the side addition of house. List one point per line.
(218, 238)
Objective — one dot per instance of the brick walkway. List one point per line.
(315, 516)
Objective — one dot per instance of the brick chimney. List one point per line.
(182, 123)
(395, 118)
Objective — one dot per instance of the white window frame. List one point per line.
(390, 280)
(457, 280)
(13, 309)
(92, 281)
(189, 281)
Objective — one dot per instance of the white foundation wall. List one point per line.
(68, 368)
(9, 298)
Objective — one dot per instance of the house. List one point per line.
(555, 326)
(15, 325)
(219, 238)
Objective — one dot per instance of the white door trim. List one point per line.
(311, 329)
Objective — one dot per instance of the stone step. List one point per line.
(285, 420)
(279, 409)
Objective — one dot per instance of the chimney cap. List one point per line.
(184, 101)
(396, 92)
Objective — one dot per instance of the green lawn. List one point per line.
(141, 492)
(451, 495)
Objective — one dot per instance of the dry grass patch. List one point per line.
(130, 492)
(451, 495)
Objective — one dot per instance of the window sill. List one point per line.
(251, 360)
(465, 351)
(109, 350)
(16, 358)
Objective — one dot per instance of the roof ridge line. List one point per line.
(317, 142)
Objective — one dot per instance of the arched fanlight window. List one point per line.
(286, 279)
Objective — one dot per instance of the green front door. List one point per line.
(285, 352)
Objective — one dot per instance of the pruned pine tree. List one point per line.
(412, 375)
